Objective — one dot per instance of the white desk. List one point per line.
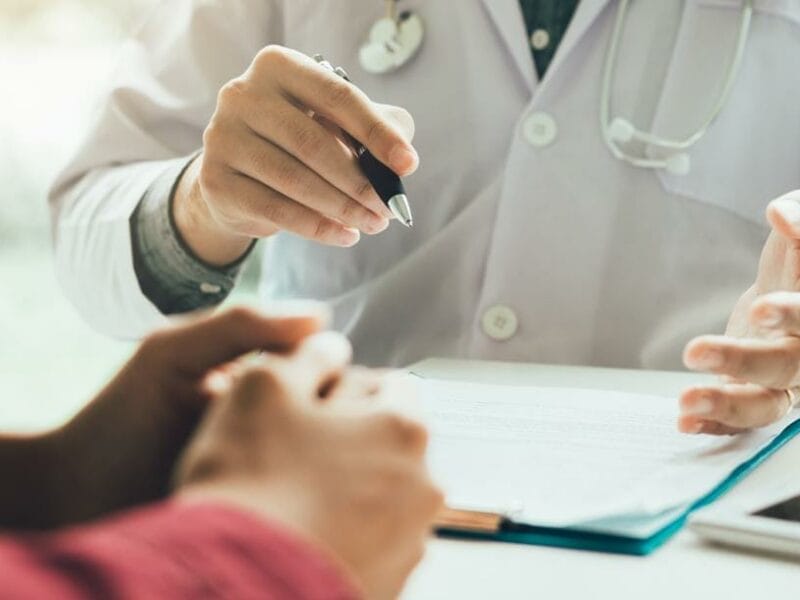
(684, 568)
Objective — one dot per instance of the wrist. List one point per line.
(274, 502)
(64, 479)
(30, 500)
(265, 500)
(320, 573)
(209, 240)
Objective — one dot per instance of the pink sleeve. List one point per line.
(170, 550)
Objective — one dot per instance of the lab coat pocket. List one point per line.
(751, 152)
(789, 9)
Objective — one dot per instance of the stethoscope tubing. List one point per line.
(612, 57)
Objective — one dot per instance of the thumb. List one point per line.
(783, 215)
(197, 347)
(318, 363)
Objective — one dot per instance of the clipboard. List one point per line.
(481, 524)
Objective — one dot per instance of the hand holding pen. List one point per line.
(267, 165)
(385, 181)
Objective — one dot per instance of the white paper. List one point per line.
(558, 456)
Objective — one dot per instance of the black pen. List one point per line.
(386, 182)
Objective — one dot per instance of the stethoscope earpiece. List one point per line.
(678, 164)
(621, 130)
(393, 42)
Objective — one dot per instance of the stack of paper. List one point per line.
(580, 468)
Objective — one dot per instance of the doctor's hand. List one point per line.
(121, 449)
(759, 356)
(274, 158)
(315, 446)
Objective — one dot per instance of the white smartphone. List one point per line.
(774, 529)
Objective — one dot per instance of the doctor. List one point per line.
(590, 181)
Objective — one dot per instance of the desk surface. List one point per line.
(684, 568)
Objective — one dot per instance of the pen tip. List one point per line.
(399, 206)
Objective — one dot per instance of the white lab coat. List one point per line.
(517, 202)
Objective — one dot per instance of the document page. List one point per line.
(558, 456)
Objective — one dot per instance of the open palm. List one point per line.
(759, 355)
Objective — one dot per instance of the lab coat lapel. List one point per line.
(585, 15)
(508, 20)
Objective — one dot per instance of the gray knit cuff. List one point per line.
(170, 275)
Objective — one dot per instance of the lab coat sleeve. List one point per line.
(150, 120)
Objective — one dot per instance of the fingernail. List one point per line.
(711, 359)
(691, 427)
(383, 212)
(376, 225)
(702, 406)
(217, 383)
(791, 212)
(254, 359)
(402, 159)
(770, 316)
(331, 344)
(350, 237)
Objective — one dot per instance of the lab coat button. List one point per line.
(540, 129)
(540, 39)
(210, 288)
(500, 322)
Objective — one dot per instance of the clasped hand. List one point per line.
(295, 435)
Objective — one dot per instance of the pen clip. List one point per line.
(342, 73)
(356, 146)
(323, 62)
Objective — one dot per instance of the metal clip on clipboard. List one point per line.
(477, 519)
(456, 519)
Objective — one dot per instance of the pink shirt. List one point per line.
(170, 550)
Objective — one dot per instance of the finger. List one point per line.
(258, 396)
(784, 215)
(400, 117)
(360, 187)
(343, 103)
(772, 363)
(407, 433)
(315, 143)
(695, 426)
(319, 362)
(200, 346)
(436, 501)
(732, 406)
(261, 386)
(260, 211)
(261, 160)
(400, 394)
(216, 383)
(220, 379)
(358, 384)
(779, 311)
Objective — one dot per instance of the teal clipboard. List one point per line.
(609, 542)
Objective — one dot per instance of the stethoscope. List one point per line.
(397, 37)
(619, 131)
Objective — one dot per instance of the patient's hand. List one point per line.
(121, 449)
(305, 443)
(760, 354)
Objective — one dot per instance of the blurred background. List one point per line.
(55, 56)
